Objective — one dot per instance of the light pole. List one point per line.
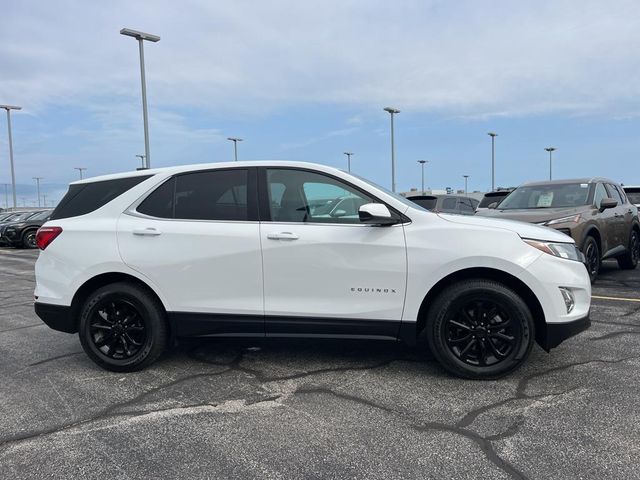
(44, 200)
(422, 162)
(37, 179)
(235, 141)
(6, 195)
(466, 177)
(493, 159)
(80, 169)
(550, 150)
(141, 37)
(392, 112)
(348, 154)
(141, 157)
(8, 108)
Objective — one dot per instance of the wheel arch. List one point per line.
(592, 231)
(500, 276)
(103, 279)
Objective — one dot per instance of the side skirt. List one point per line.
(188, 324)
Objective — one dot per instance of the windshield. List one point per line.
(426, 203)
(633, 194)
(41, 215)
(490, 198)
(400, 198)
(18, 217)
(558, 195)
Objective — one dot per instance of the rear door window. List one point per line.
(449, 205)
(207, 195)
(85, 198)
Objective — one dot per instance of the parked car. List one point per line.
(17, 217)
(22, 233)
(633, 194)
(492, 198)
(595, 212)
(134, 261)
(446, 203)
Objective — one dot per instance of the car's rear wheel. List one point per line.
(29, 239)
(479, 329)
(122, 327)
(629, 260)
(592, 257)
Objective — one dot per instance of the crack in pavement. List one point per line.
(484, 444)
(616, 324)
(20, 328)
(615, 334)
(51, 359)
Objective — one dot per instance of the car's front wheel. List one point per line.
(479, 329)
(630, 259)
(592, 257)
(122, 327)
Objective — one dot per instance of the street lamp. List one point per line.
(235, 141)
(348, 154)
(141, 37)
(80, 169)
(422, 162)
(493, 159)
(550, 150)
(392, 112)
(8, 108)
(6, 195)
(141, 157)
(37, 179)
(466, 177)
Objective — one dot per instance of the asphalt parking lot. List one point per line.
(317, 409)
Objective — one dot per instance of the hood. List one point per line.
(534, 215)
(524, 230)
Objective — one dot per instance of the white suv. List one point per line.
(134, 261)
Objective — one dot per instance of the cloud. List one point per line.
(462, 58)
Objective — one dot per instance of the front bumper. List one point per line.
(556, 333)
(57, 317)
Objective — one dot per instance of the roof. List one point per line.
(205, 166)
(570, 180)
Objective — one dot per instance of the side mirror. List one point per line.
(493, 205)
(376, 214)
(338, 213)
(608, 203)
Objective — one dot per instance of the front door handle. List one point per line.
(282, 236)
(147, 232)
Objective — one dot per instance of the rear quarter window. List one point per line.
(85, 198)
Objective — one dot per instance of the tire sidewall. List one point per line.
(590, 240)
(451, 299)
(148, 312)
(25, 237)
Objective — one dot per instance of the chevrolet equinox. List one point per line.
(132, 262)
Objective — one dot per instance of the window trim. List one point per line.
(265, 211)
(252, 198)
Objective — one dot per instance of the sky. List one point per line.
(309, 81)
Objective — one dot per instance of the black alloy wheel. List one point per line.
(117, 329)
(29, 239)
(481, 333)
(630, 259)
(479, 329)
(592, 257)
(123, 327)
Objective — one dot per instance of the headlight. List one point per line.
(570, 219)
(562, 250)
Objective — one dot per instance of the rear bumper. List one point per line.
(556, 333)
(57, 317)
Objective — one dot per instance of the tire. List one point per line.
(122, 327)
(471, 348)
(629, 260)
(592, 257)
(29, 239)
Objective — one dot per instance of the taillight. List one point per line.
(46, 235)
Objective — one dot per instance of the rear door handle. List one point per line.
(282, 236)
(147, 232)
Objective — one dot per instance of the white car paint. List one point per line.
(239, 268)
